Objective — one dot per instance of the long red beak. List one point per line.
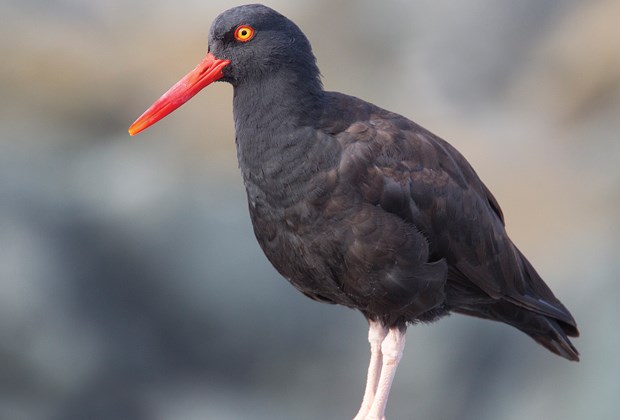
(208, 71)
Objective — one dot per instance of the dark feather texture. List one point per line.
(359, 206)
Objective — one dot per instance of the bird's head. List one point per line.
(246, 43)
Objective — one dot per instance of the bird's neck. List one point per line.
(270, 113)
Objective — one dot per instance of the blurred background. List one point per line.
(131, 286)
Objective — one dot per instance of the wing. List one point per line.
(428, 183)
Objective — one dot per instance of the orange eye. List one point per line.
(244, 33)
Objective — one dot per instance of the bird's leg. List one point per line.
(376, 335)
(392, 351)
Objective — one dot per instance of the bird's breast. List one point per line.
(300, 243)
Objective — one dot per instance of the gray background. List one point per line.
(131, 286)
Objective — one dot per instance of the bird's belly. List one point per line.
(305, 254)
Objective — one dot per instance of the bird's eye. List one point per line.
(244, 33)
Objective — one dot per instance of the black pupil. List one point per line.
(244, 32)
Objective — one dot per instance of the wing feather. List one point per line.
(428, 183)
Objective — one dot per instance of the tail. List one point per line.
(533, 310)
(549, 323)
(549, 332)
(553, 335)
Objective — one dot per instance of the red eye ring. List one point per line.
(244, 33)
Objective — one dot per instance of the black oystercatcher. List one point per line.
(359, 206)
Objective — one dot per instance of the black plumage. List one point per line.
(374, 212)
(359, 206)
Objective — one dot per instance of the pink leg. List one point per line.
(392, 349)
(376, 335)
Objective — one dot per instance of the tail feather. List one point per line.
(526, 303)
(549, 332)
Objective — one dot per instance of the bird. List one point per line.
(359, 206)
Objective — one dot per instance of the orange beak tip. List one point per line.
(134, 129)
